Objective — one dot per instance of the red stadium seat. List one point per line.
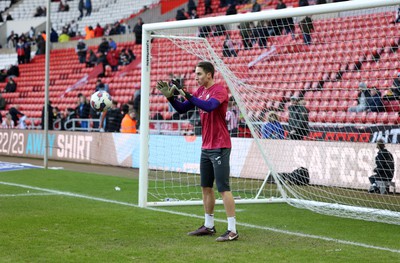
(312, 116)
(321, 117)
(350, 117)
(341, 116)
(360, 117)
(393, 118)
(371, 117)
(382, 118)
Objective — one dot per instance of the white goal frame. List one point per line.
(248, 17)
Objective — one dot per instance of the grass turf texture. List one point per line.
(58, 228)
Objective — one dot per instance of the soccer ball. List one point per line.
(100, 101)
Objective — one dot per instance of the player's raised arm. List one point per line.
(206, 105)
(168, 92)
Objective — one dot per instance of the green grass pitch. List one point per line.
(66, 216)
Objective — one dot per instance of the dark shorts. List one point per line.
(214, 165)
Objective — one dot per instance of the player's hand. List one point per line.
(165, 89)
(177, 85)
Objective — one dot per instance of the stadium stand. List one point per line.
(104, 12)
(328, 92)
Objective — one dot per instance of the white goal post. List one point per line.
(315, 69)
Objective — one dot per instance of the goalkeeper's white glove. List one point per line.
(165, 89)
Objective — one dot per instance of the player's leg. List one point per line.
(221, 172)
(207, 181)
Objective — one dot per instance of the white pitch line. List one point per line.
(27, 194)
(286, 232)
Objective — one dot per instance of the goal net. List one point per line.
(311, 92)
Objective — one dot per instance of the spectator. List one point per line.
(128, 123)
(280, 5)
(363, 94)
(9, 17)
(112, 44)
(247, 34)
(320, 2)
(68, 121)
(256, 7)
(50, 117)
(306, 26)
(207, 7)
(63, 6)
(374, 102)
(231, 10)
(98, 31)
(8, 123)
(394, 92)
(11, 86)
(22, 123)
(41, 45)
(44, 35)
(12, 40)
(384, 170)
(289, 26)
(104, 46)
(81, 50)
(397, 18)
(138, 31)
(2, 102)
(303, 3)
(56, 114)
(53, 36)
(112, 59)
(228, 47)
(3, 76)
(96, 118)
(80, 8)
(83, 110)
(20, 51)
(92, 61)
(298, 119)
(15, 114)
(89, 32)
(102, 59)
(13, 71)
(261, 32)
(40, 12)
(136, 107)
(273, 128)
(180, 15)
(232, 118)
(100, 86)
(64, 37)
(113, 118)
(73, 28)
(27, 49)
(193, 14)
(222, 3)
(32, 32)
(204, 31)
(88, 6)
(123, 58)
(191, 6)
(219, 30)
(131, 55)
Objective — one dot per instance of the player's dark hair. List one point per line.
(207, 67)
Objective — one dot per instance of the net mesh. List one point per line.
(310, 97)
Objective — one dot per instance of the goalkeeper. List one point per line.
(212, 101)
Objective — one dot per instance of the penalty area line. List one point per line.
(276, 230)
(27, 194)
